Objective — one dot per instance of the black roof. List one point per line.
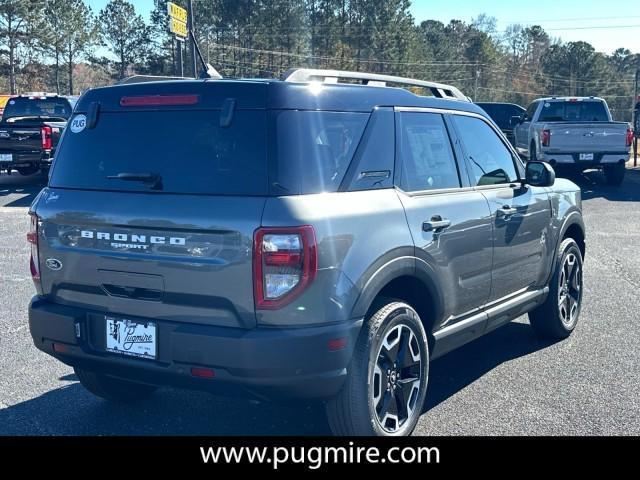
(271, 94)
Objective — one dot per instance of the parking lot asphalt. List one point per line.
(506, 383)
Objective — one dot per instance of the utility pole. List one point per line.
(475, 88)
(192, 42)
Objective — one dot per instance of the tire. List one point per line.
(113, 389)
(614, 174)
(374, 381)
(30, 170)
(557, 318)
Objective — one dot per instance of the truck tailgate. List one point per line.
(587, 137)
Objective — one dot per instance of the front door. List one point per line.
(520, 213)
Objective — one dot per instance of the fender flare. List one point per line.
(404, 266)
(572, 218)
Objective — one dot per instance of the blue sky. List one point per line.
(605, 25)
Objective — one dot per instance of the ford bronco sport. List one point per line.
(303, 237)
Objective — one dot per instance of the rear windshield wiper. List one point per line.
(153, 179)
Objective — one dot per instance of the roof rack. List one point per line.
(303, 75)
(148, 78)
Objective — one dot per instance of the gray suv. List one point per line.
(308, 237)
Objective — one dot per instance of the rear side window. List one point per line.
(491, 162)
(576, 111)
(501, 114)
(24, 108)
(314, 149)
(425, 151)
(188, 150)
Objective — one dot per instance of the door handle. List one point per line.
(506, 211)
(435, 224)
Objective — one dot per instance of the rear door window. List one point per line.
(489, 159)
(188, 150)
(426, 156)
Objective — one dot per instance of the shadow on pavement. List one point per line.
(19, 191)
(593, 185)
(71, 410)
(454, 371)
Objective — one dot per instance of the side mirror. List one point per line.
(539, 174)
(516, 120)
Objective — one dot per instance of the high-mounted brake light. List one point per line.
(629, 137)
(158, 100)
(284, 264)
(47, 141)
(546, 138)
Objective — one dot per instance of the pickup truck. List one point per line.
(30, 128)
(574, 133)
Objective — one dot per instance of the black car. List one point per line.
(30, 128)
(501, 113)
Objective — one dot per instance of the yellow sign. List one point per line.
(177, 12)
(178, 27)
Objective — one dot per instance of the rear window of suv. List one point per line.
(188, 150)
(259, 153)
(574, 111)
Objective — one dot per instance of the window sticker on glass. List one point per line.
(78, 123)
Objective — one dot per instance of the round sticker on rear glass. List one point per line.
(78, 123)
(547, 105)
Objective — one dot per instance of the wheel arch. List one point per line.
(409, 279)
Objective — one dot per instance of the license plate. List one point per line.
(586, 156)
(6, 157)
(128, 337)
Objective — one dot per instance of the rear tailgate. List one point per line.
(168, 257)
(587, 137)
(26, 138)
(20, 139)
(179, 249)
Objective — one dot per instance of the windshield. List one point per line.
(18, 108)
(574, 111)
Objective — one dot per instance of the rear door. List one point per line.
(151, 209)
(449, 221)
(520, 213)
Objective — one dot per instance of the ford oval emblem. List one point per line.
(53, 264)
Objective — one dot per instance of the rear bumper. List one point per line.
(573, 158)
(26, 159)
(262, 362)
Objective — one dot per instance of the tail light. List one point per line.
(629, 137)
(47, 142)
(285, 263)
(546, 138)
(34, 261)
